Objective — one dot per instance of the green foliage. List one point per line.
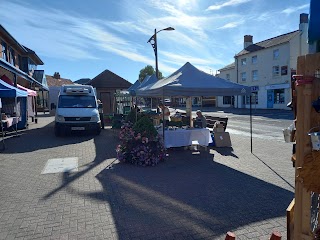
(145, 127)
(131, 117)
(148, 70)
(116, 123)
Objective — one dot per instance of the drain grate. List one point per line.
(58, 165)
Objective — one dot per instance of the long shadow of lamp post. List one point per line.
(153, 42)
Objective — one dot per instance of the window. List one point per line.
(243, 76)
(4, 51)
(275, 54)
(31, 65)
(255, 75)
(228, 76)
(254, 59)
(284, 70)
(20, 61)
(243, 61)
(254, 98)
(279, 96)
(12, 58)
(71, 101)
(275, 70)
(227, 100)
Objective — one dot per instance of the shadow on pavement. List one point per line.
(273, 171)
(40, 138)
(186, 196)
(225, 151)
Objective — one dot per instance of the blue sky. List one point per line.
(80, 39)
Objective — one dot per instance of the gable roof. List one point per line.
(108, 79)
(83, 81)
(269, 43)
(33, 56)
(229, 66)
(51, 81)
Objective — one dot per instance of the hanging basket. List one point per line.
(310, 172)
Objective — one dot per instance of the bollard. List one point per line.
(230, 236)
(275, 236)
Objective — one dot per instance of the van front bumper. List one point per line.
(67, 126)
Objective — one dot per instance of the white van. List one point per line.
(77, 110)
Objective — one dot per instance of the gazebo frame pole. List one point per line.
(251, 121)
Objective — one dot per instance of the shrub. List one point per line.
(145, 127)
(137, 148)
(131, 117)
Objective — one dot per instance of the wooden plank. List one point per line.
(299, 157)
(301, 65)
(307, 118)
(290, 223)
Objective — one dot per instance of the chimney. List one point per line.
(303, 18)
(247, 41)
(303, 26)
(56, 75)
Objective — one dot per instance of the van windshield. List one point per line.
(68, 101)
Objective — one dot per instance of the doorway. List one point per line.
(270, 98)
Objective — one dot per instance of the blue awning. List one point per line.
(314, 21)
(6, 90)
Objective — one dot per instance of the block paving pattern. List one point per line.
(192, 195)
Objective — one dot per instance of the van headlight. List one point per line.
(60, 118)
(95, 118)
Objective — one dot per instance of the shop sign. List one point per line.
(278, 86)
(254, 88)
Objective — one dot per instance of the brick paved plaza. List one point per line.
(189, 196)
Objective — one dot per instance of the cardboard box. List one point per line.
(218, 129)
(222, 139)
(218, 125)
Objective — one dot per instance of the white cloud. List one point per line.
(232, 24)
(182, 59)
(295, 9)
(226, 4)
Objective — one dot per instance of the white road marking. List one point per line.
(57, 165)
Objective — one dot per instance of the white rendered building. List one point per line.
(267, 67)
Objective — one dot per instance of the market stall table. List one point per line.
(184, 137)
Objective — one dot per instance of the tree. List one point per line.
(148, 70)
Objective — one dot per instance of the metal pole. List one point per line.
(156, 53)
(251, 122)
(15, 102)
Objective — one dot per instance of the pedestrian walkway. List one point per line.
(192, 195)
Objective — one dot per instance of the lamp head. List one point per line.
(168, 29)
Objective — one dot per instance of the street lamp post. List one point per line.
(153, 42)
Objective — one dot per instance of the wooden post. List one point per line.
(307, 118)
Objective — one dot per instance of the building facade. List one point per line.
(267, 67)
(18, 65)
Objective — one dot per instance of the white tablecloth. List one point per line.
(10, 121)
(183, 137)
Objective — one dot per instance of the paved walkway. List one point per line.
(189, 196)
